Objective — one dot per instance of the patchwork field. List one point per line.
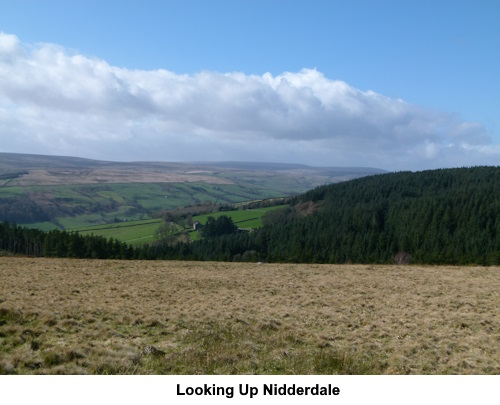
(158, 317)
(250, 218)
(77, 206)
(140, 232)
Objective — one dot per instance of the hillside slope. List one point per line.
(439, 216)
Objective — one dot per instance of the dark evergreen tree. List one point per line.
(217, 227)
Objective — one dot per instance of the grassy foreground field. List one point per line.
(115, 317)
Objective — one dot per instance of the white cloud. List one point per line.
(55, 101)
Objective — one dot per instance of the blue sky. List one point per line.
(394, 84)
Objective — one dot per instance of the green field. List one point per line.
(133, 232)
(245, 219)
(251, 218)
(140, 232)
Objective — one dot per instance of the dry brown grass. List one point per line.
(90, 316)
(100, 176)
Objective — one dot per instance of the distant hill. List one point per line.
(67, 192)
(12, 162)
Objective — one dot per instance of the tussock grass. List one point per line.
(63, 316)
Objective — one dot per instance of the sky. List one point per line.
(398, 85)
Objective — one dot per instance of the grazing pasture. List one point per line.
(247, 218)
(133, 232)
(141, 232)
(160, 317)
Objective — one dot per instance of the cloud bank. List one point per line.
(54, 101)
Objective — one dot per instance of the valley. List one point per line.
(51, 192)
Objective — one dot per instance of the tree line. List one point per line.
(20, 240)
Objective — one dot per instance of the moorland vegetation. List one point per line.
(73, 316)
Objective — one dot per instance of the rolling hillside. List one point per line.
(438, 216)
(49, 192)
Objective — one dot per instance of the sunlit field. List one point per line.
(157, 317)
